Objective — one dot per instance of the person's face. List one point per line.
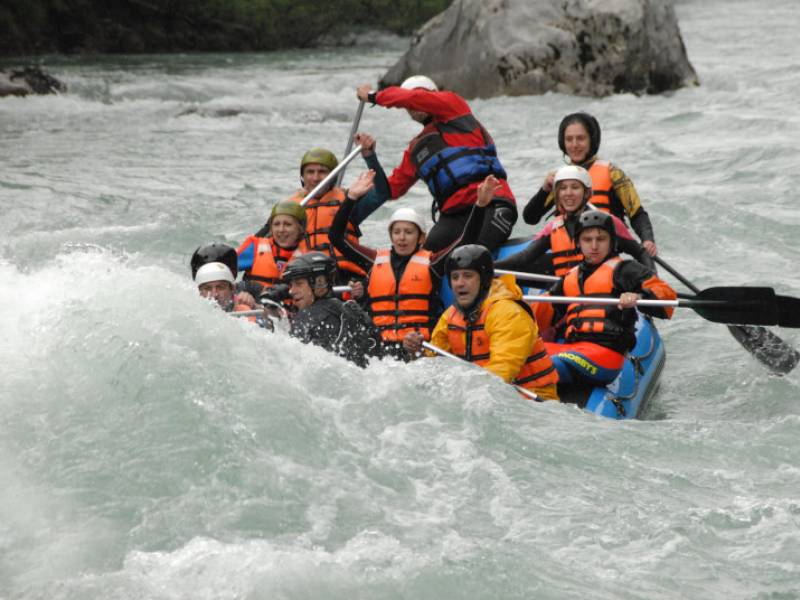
(570, 195)
(313, 174)
(466, 285)
(576, 141)
(220, 291)
(286, 230)
(417, 115)
(303, 295)
(595, 245)
(405, 237)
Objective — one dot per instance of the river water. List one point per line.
(152, 447)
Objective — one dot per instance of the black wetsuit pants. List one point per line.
(498, 221)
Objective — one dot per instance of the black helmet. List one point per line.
(215, 252)
(308, 266)
(599, 219)
(476, 258)
(591, 125)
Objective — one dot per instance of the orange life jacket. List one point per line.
(586, 322)
(602, 186)
(319, 218)
(399, 308)
(471, 342)
(270, 260)
(565, 252)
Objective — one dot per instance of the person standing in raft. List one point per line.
(323, 320)
(572, 187)
(598, 336)
(315, 165)
(490, 325)
(404, 280)
(612, 191)
(452, 154)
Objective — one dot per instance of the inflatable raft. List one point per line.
(626, 396)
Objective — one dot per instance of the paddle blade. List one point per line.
(788, 311)
(738, 305)
(768, 348)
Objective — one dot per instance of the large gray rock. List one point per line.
(484, 48)
(28, 80)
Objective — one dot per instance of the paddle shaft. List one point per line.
(351, 139)
(615, 301)
(330, 176)
(437, 350)
(337, 289)
(528, 276)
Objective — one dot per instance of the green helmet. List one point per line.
(293, 209)
(319, 156)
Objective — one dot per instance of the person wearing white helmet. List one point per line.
(404, 279)
(452, 154)
(612, 191)
(557, 242)
(214, 270)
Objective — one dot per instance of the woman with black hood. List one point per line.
(612, 191)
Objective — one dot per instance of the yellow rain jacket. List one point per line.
(514, 348)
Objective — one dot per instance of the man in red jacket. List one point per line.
(452, 154)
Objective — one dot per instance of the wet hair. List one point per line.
(591, 125)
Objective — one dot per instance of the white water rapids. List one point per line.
(152, 447)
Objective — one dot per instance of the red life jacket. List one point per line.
(471, 342)
(399, 308)
(320, 213)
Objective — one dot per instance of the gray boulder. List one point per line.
(485, 48)
(28, 80)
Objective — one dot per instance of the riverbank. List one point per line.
(135, 26)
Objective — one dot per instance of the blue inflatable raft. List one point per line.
(626, 396)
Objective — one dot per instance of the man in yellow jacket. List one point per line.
(490, 325)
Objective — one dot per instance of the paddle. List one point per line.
(528, 276)
(764, 345)
(329, 177)
(337, 289)
(437, 350)
(741, 305)
(353, 131)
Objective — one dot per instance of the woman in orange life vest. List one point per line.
(597, 336)
(402, 290)
(572, 188)
(490, 325)
(315, 165)
(263, 258)
(579, 140)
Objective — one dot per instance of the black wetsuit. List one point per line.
(339, 327)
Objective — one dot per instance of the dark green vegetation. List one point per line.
(132, 26)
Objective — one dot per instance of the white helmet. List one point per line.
(213, 271)
(419, 81)
(409, 215)
(573, 172)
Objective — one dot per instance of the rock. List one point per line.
(29, 80)
(482, 48)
